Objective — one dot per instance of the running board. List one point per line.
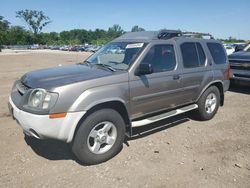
(164, 115)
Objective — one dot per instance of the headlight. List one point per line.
(41, 99)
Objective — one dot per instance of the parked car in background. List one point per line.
(240, 66)
(229, 48)
(90, 48)
(64, 48)
(54, 47)
(239, 46)
(115, 50)
(95, 48)
(74, 48)
(34, 47)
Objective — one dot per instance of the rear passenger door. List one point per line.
(196, 69)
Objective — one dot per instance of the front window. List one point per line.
(161, 57)
(117, 55)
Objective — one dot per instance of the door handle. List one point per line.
(176, 77)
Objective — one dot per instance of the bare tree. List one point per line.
(36, 20)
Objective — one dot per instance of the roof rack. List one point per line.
(163, 34)
(197, 35)
(167, 34)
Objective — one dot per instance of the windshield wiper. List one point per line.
(106, 66)
(86, 62)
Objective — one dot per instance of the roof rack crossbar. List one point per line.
(163, 34)
(167, 34)
(197, 34)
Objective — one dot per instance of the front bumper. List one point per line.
(41, 126)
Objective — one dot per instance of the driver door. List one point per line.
(157, 91)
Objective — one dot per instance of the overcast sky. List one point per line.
(221, 18)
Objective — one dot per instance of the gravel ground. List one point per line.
(178, 152)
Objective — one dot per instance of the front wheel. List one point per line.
(99, 137)
(208, 104)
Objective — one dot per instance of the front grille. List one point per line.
(21, 87)
(242, 75)
(240, 64)
(239, 67)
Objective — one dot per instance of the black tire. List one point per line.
(201, 113)
(80, 145)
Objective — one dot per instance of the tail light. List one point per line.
(228, 71)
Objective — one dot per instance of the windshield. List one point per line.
(117, 55)
(247, 48)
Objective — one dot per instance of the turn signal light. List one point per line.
(59, 115)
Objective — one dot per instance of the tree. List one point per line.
(136, 28)
(36, 20)
(115, 31)
(17, 35)
(4, 26)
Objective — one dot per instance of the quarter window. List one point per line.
(161, 57)
(217, 53)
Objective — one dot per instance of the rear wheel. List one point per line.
(99, 137)
(208, 104)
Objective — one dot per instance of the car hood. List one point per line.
(240, 55)
(63, 75)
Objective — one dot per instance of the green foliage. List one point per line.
(136, 28)
(4, 26)
(36, 20)
(18, 35)
(232, 40)
(115, 31)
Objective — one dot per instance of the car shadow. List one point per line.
(50, 149)
(245, 89)
(58, 150)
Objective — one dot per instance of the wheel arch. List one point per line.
(219, 85)
(117, 105)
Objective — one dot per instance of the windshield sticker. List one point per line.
(135, 45)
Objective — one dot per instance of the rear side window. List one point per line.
(217, 53)
(193, 55)
(161, 57)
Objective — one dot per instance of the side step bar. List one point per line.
(164, 115)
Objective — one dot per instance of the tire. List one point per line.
(208, 104)
(99, 137)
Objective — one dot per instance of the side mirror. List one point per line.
(144, 69)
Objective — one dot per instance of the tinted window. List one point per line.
(193, 55)
(189, 55)
(217, 53)
(161, 57)
(201, 54)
